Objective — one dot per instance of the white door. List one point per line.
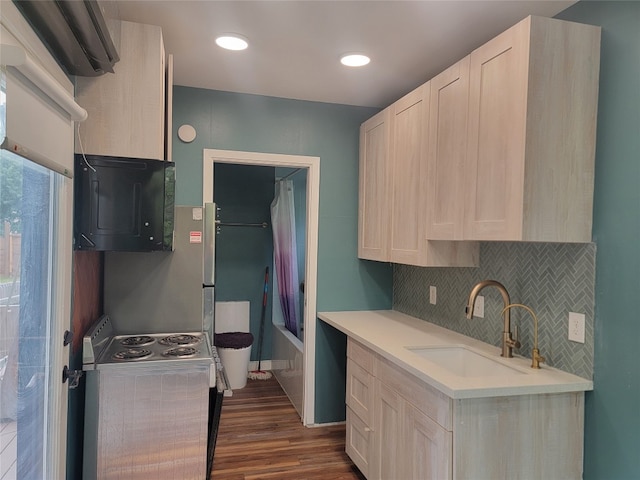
(35, 266)
(312, 164)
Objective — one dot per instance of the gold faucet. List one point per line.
(536, 358)
(508, 342)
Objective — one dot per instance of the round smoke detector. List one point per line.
(187, 133)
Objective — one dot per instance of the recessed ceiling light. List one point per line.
(232, 41)
(354, 60)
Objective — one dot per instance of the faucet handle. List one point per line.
(536, 358)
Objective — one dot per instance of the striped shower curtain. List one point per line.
(285, 254)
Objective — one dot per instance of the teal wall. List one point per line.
(613, 409)
(231, 121)
(243, 253)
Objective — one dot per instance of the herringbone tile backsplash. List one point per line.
(552, 279)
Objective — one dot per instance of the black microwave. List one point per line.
(123, 204)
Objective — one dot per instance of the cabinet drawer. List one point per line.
(359, 442)
(360, 355)
(360, 391)
(427, 399)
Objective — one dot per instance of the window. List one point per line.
(34, 311)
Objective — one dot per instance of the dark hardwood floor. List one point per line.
(262, 437)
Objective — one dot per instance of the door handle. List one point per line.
(73, 376)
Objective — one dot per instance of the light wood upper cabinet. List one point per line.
(500, 146)
(408, 144)
(446, 152)
(127, 108)
(374, 188)
(392, 220)
(410, 189)
(531, 143)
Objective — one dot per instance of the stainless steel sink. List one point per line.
(462, 362)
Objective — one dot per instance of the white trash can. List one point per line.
(234, 349)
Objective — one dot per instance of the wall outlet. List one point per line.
(478, 308)
(433, 295)
(576, 327)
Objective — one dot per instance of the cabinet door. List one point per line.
(358, 442)
(496, 140)
(409, 122)
(428, 447)
(126, 109)
(373, 207)
(389, 461)
(447, 149)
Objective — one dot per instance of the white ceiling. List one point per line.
(295, 45)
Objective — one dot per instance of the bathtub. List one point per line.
(287, 364)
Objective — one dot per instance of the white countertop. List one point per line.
(387, 333)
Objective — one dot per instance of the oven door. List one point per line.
(216, 396)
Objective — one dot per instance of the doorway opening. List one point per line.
(312, 167)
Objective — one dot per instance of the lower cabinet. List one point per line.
(388, 435)
(389, 409)
(409, 444)
(358, 443)
(427, 446)
(400, 428)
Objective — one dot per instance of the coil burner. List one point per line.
(137, 341)
(121, 429)
(132, 354)
(181, 339)
(145, 347)
(181, 352)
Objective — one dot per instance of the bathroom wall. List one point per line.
(552, 279)
(243, 253)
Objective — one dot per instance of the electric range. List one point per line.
(147, 404)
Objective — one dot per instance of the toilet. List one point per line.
(233, 340)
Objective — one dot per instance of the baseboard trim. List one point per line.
(264, 365)
(328, 424)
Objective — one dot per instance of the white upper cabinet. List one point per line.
(127, 108)
(374, 188)
(447, 151)
(394, 183)
(532, 124)
(500, 146)
(409, 121)
(411, 186)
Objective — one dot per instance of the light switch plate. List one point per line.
(433, 295)
(576, 327)
(478, 308)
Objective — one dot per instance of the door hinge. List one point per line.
(72, 375)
